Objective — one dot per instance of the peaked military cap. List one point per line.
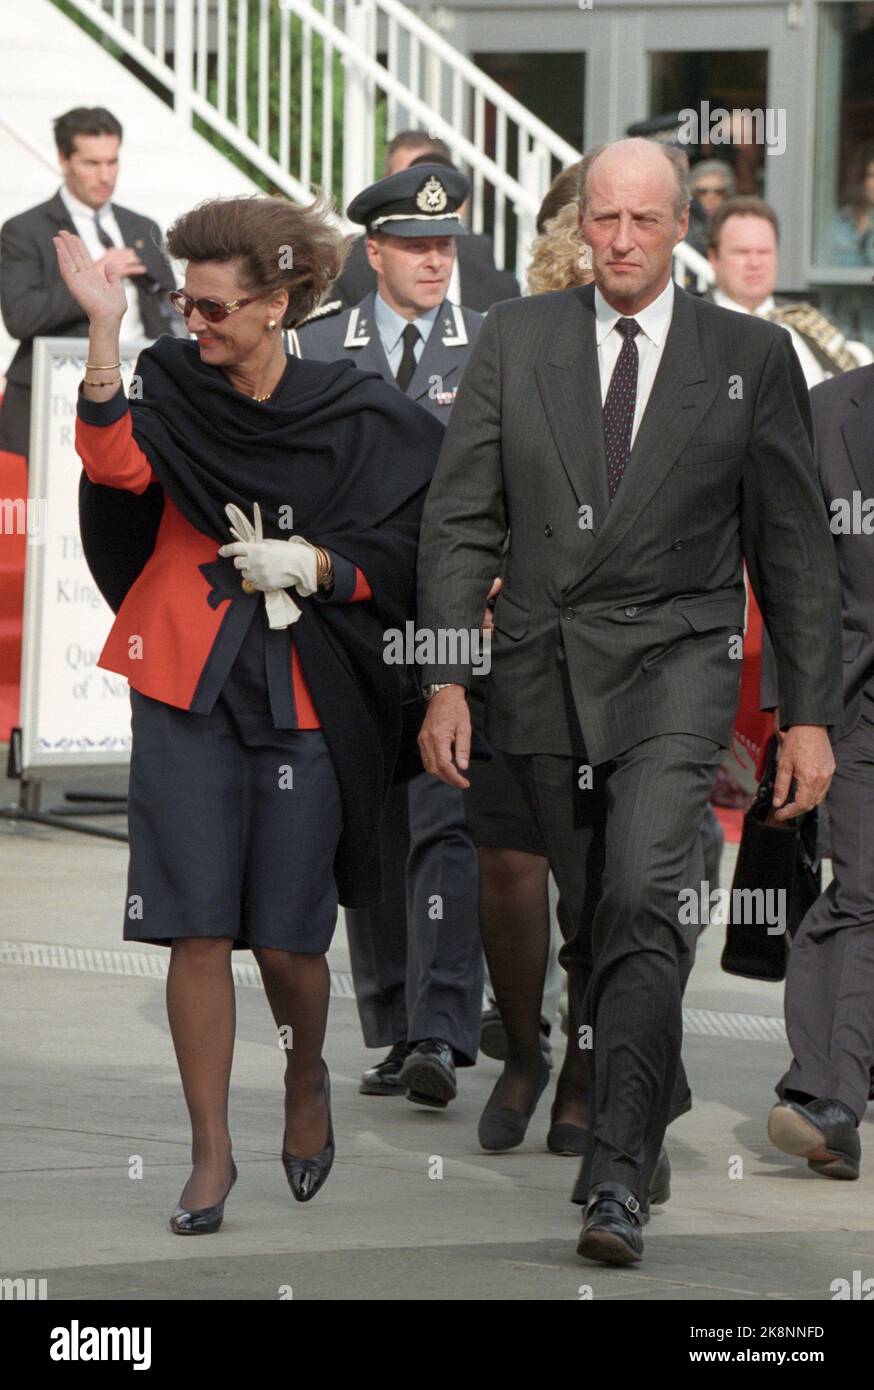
(420, 201)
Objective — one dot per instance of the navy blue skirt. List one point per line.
(234, 824)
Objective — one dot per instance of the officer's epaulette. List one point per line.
(334, 306)
(822, 336)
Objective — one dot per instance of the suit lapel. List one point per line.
(858, 432)
(680, 396)
(570, 389)
(56, 210)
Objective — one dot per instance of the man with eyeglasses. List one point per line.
(34, 300)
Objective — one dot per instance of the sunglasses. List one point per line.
(703, 188)
(211, 309)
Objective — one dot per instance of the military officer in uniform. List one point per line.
(417, 958)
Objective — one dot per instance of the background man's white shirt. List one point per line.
(813, 370)
(86, 228)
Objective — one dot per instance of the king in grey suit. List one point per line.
(829, 1000)
(614, 673)
(416, 965)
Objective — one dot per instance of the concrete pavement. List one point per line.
(90, 1087)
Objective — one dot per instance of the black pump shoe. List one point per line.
(500, 1127)
(206, 1219)
(307, 1175)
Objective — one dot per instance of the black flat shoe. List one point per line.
(500, 1127)
(206, 1219)
(384, 1079)
(307, 1175)
(429, 1074)
(565, 1138)
(611, 1225)
(822, 1132)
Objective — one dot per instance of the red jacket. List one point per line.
(165, 630)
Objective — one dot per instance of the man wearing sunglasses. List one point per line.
(34, 299)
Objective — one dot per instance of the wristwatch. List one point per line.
(430, 690)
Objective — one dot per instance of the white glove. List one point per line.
(271, 566)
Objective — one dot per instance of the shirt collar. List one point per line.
(761, 310)
(654, 320)
(79, 209)
(390, 325)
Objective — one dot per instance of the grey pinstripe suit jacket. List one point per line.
(615, 620)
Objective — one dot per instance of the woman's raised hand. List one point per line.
(98, 290)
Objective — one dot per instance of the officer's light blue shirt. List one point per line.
(390, 327)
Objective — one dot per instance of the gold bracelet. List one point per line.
(324, 569)
(110, 367)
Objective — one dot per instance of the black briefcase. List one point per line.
(772, 860)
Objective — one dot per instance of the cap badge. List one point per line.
(431, 197)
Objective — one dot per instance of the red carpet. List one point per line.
(13, 484)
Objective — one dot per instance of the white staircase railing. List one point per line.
(309, 91)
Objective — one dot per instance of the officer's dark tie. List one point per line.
(102, 234)
(407, 368)
(619, 405)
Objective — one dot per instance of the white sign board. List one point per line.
(72, 713)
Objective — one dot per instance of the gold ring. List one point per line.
(248, 587)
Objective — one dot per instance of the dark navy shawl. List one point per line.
(352, 456)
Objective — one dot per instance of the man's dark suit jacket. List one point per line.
(36, 303)
(843, 417)
(481, 284)
(631, 607)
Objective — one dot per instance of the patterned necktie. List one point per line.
(407, 368)
(619, 405)
(102, 234)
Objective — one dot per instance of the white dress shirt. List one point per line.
(390, 327)
(654, 321)
(86, 228)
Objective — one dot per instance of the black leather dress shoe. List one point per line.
(822, 1132)
(307, 1175)
(612, 1225)
(429, 1074)
(385, 1078)
(206, 1219)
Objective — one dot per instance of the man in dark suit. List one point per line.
(34, 299)
(637, 444)
(476, 283)
(829, 999)
(416, 962)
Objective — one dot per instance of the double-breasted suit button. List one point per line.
(678, 545)
(547, 530)
(631, 612)
(569, 613)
